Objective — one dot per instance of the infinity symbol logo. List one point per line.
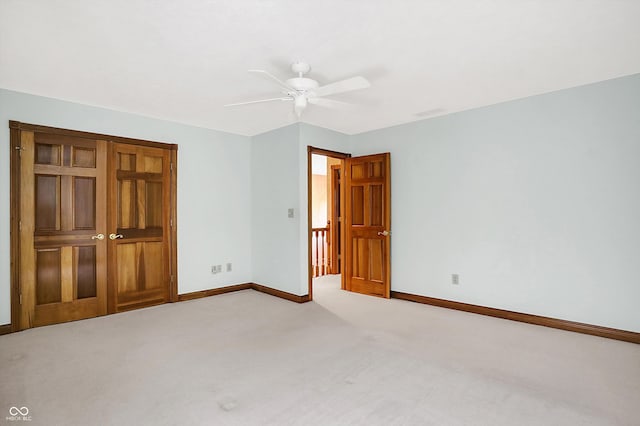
(14, 411)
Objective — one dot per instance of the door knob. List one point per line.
(98, 237)
(384, 233)
(115, 236)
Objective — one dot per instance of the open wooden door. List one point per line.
(63, 253)
(139, 226)
(367, 221)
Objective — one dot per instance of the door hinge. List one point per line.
(19, 225)
(171, 166)
(20, 298)
(171, 279)
(171, 223)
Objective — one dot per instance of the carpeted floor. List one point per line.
(247, 358)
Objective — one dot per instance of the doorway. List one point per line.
(92, 224)
(325, 215)
(325, 211)
(355, 241)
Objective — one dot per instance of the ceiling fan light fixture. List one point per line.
(300, 102)
(302, 83)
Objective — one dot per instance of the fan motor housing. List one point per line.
(302, 83)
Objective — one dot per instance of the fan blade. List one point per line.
(353, 83)
(276, 79)
(257, 102)
(329, 103)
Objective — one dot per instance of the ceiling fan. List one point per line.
(303, 90)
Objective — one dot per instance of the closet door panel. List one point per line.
(63, 253)
(139, 226)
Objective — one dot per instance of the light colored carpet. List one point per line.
(247, 358)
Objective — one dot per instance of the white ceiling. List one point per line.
(182, 60)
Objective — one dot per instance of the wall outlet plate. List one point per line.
(455, 279)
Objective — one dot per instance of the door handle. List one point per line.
(98, 237)
(384, 233)
(115, 236)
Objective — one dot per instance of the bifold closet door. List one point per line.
(63, 252)
(139, 227)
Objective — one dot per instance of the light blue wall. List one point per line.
(274, 186)
(319, 137)
(279, 182)
(213, 186)
(534, 202)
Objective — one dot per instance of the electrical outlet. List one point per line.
(455, 279)
(290, 213)
(229, 267)
(213, 269)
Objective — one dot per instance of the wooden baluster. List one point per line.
(322, 252)
(329, 242)
(317, 269)
(326, 251)
(324, 257)
(313, 256)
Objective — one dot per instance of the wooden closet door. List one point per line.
(139, 227)
(367, 194)
(63, 264)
